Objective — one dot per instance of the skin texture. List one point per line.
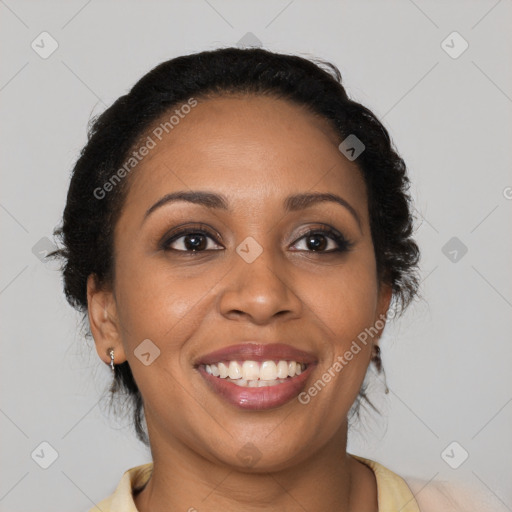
(255, 151)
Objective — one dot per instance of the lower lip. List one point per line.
(266, 397)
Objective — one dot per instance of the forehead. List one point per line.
(247, 148)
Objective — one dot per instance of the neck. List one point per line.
(329, 479)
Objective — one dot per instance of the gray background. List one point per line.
(447, 361)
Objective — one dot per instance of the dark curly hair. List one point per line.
(86, 234)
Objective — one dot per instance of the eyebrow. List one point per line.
(217, 201)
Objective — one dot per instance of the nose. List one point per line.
(259, 292)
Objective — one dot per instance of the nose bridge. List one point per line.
(258, 285)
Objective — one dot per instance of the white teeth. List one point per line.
(268, 370)
(255, 374)
(256, 383)
(250, 370)
(235, 371)
(282, 369)
(223, 370)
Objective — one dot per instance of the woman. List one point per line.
(237, 231)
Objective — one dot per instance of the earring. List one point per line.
(111, 353)
(114, 385)
(377, 360)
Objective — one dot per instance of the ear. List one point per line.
(103, 319)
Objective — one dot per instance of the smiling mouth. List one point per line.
(255, 374)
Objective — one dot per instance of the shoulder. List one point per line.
(417, 495)
(444, 496)
(132, 480)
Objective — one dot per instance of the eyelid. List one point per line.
(191, 227)
(319, 227)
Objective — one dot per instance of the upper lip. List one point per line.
(252, 351)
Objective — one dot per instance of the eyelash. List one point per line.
(343, 245)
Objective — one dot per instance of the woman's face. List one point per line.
(256, 278)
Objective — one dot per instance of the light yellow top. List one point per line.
(393, 494)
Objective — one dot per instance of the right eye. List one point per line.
(190, 240)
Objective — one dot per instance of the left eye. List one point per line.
(322, 241)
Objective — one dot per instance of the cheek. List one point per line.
(344, 306)
(163, 306)
(161, 303)
(345, 299)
